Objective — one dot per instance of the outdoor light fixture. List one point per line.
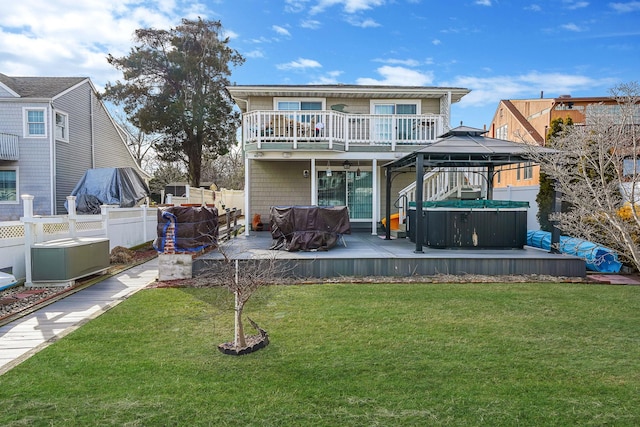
(328, 168)
(346, 164)
(358, 170)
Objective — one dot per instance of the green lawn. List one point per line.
(346, 355)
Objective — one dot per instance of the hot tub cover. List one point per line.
(308, 228)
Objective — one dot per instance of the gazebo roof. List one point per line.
(467, 147)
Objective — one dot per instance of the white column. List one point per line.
(71, 207)
(314, 183)
(247, 191)
(29, 235)
(375, 208)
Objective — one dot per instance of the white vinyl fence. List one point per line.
(126, 227)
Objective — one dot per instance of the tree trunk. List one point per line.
(240, 340)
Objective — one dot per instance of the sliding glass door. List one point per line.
(347, 188)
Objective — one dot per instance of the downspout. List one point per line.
(52, 159)
(92, 135)
(247, 191)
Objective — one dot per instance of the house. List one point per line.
(326, 144)
(52, 129)
(528, 120)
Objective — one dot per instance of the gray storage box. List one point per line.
(65, 260)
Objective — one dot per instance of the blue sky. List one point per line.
(499, 49)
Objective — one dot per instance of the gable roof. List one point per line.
(39, 87)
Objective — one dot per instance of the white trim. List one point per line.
(16, 169)
(65, 137)
(374, 102)
(8, 89)
(25, 122)
(72, 88)
(276, 100)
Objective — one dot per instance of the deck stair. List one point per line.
(443, 184)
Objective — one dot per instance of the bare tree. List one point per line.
(596, 169)
(225, 171)
(243, 278)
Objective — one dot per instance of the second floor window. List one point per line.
(35, 122)
(62, 127)
(502, 132)
(299, 105)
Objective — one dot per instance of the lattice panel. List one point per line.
(89, 226)
(55, 228)
(12, 231)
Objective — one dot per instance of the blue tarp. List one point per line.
(599, 258)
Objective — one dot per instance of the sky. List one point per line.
(499, 49)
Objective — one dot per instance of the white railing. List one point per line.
(443, 183)
(9, 147)
(221, 199)
(330, 127)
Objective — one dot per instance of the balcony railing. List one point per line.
(333, 127)
(8, 147)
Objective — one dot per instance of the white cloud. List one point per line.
(349, 6)
(436, 42)
(405, 62)
(256, 53)
(487, 91)
(281, 30)
(572, 27)
(71, 38)
(573, 4)
(311, 24)
(483, 2)
(632, 6)
(330, 78)
(533, 7)
(299, 64)
(362, 23)
(398, 76)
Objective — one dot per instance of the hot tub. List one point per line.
(491, 224)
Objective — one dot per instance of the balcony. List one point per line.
(8, 146)
(334, 130)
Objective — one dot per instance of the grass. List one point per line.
(353, 355)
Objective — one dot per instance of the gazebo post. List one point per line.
(419, 196)
(490, 172)
(387, 207)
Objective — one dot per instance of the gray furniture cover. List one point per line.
(308, 228)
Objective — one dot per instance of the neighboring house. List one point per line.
(326, 144)
(52, 129)
(528, 120)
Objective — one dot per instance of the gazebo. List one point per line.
(461, 147)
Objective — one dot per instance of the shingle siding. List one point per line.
(34, 162)
(73, 158)
(278, 184)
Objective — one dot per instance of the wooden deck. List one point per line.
(362, 254)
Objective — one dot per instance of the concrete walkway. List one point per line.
(24, 337)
